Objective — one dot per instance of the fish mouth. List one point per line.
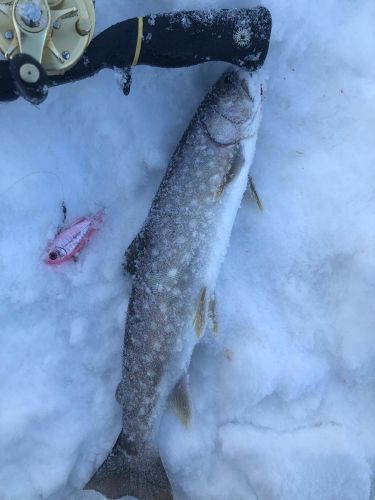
(232, 97)
(235, 80)
(232, 107)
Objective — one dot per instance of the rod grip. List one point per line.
(237, 36)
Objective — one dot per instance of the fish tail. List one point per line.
(124, 474)
(98, 219)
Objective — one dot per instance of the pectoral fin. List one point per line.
(200, 313)
(235, 168)
(213, 315)
(179, 400)
(253, 193)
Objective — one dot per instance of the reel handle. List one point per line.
(29, 78)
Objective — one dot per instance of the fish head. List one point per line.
(55, 255)
(233, 109)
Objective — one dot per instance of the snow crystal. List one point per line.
(151, 20)
(32, 13)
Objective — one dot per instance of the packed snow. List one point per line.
(284, 396)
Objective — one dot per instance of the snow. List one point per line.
(33, 14)
(283, 397)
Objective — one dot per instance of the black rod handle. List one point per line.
(186, 38)
(237, 36)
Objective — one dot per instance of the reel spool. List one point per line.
(54, 32)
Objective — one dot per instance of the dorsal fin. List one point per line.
(118, 394)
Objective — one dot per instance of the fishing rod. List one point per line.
(46, 43)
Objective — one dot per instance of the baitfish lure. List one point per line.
(70, 240)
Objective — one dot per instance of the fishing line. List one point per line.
(41, 172)
(31, 174)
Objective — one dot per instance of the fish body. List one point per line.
(175, 261)
(70, 241)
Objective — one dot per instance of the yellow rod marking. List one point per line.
(139, 42)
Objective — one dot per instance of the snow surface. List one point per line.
(284, 397)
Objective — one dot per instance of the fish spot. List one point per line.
(157, 346)
(163, 308)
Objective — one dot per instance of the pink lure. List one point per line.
(71, 240)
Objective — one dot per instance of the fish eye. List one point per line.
(53, 255)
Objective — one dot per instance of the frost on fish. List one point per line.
(175, 262)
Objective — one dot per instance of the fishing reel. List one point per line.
(50, 42)
(54, 32)
(43, 38)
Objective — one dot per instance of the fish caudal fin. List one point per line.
(122, 474)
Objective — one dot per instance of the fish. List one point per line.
(71, 240)
(175, 261)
